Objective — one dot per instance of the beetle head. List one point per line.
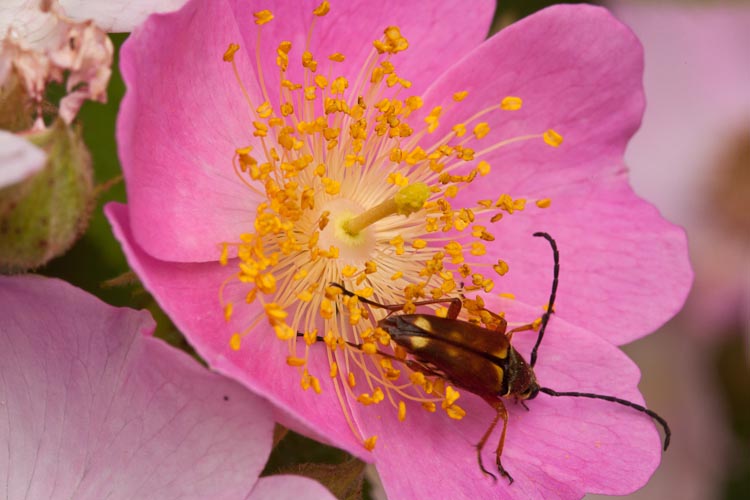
(521, 378)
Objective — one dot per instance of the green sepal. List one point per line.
(41, 217)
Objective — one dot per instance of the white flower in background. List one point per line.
(19, 157)
(40, 45)
(43, 41)
(117, 16)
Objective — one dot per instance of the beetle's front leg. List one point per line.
(453, 310)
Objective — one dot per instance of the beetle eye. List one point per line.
(531, 392)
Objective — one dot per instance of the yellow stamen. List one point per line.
(294, 361)
(552, 138)
(544, 203)
(231, 50)
(429, 406)
(511, 103)
(369, 443)
(322, 9)
(455, 412)
(401, 411)
(262, 17)
(235, 342)
(501, 267)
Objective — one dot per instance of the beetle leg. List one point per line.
(501, 325)
(424, 369)
(389, 307)
(453, 310)
(501, 322)
(521, 328)
(498, 405)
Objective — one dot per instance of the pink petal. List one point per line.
(19, 159)
(283, 487)
(189, 294)
(184, 114)
(559, 448)
(180, 122)
(117, 15)
(625, 270)
(93, 407)
(439, 34)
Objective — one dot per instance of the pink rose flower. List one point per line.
(379, 145)
(94, 407)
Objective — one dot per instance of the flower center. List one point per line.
(354, 246)
(354, 194)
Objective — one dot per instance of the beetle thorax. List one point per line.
(520, 376)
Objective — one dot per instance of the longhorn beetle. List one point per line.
(478, 359)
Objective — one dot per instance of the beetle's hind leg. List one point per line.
(498, 405)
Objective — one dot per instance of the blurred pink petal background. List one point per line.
(695, 139)
(697, 82)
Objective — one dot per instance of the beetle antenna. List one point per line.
(552, 295)
(624, 402)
